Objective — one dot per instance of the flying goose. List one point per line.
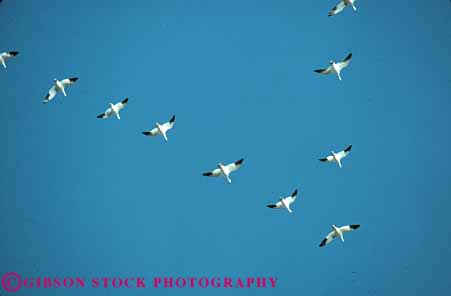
(336, 67)
(342, 5)
(337, 157)
(285, 202)
(7, 55)
(114, 109)
(225, 170)
(59, 86)
(161, 129)
(338, 232)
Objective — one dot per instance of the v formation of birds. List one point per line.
(161, 129)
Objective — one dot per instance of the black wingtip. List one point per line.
(348, 148)
(294, 193)
(207, 174)
(239, 161)
(318, 71)
(348, 57)
(13, 53)
(73, 79)
(146, 133)
(322, 159)
(124, 101)
(271, 206)
(354, 226)
(323, 243)
(100, 116)
(172, 119)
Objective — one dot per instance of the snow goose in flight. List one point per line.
(114, 109)
(342, 5)
(161, 129)
(285, 202)
(59, 86)
(7, 55)
(225, 170)
(337, 157)
(338, 232)
(336, 68)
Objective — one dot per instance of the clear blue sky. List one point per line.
(84, 196)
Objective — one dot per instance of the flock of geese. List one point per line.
(222, 170)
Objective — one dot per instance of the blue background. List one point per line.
(88, 197)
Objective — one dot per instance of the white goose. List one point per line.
(59, 86)
(337, 157)
(338, 232)
(114, 109)
(7, 55)
(161, 129)
(225, 170)
(342, 5)
(336, 67)
(285, 202)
